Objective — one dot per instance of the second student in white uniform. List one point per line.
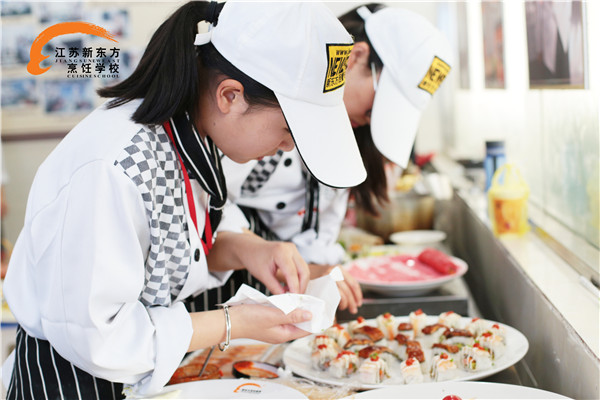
(398, 61)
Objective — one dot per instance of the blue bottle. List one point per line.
(494, 158)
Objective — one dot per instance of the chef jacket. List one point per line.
(108, 250)
(279, 198)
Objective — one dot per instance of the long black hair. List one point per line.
(172, 72)
(373, 191)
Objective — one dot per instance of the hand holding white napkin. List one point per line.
(321, 299)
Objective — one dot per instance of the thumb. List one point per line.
(299, 315)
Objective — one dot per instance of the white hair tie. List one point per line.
(202, 38)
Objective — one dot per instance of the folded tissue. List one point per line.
(321, 299)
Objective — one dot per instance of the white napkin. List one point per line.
(321, 299)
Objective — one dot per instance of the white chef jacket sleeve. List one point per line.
(92, 315)
(322, 248)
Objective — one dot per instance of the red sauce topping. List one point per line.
(449, 312)
(478, 346)
(419, 312)
(322, 346)
(496, 326)
(452, 397)
(410, 361)
(321, 336)
(338, 326)
(387, 315)
(444, 356)
(345, 352)
(374, 357)
(486, 334)
(475, 319)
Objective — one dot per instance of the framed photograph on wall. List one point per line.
(493, 43)
(555, 44)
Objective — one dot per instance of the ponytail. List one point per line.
(355, 26)
(373, 192)
(167, 77)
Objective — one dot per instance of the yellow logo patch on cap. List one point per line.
(435, 75)
(337, 62)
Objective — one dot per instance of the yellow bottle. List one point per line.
(507, 199)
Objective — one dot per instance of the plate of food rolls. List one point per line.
(457, 391)
(404, 350)
(406, 274)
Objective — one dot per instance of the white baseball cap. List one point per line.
(416, 59)
(298, 50)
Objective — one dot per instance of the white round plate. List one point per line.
(297, 357)
(464, 390)
(409, 288)
(229, 389)
(417, 237)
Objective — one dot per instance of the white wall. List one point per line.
(551, 134)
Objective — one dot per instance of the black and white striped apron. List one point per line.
(40, 372)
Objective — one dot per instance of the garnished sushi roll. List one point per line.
(450, 319)
(431, 334)
(475, 358)
(326, 340)
(411, 371)
(373, 370)
(387, 323)
(414, 350)
(322, 356)
(406, 329)
(384, 352)
(418, 319)
(477, 326)
(399, 345)
(443, 368)
(493, 343)
(358, 322)
(344, 364)
(338, 333)
(499, 330)
(439, 348)
(368, 332)
(458, 336)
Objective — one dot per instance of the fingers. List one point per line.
(292, 266)
(272, 283)
(354, 287)
(303, 272)
(347, 299)
(350, 292)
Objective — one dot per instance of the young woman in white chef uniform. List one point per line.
(397, 63)
(121, 216)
